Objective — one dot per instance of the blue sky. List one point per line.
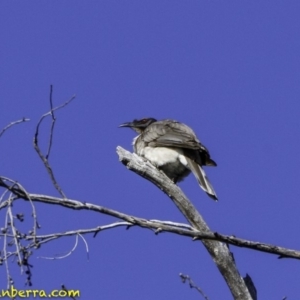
(228, 69)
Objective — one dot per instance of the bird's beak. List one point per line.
(127, 124)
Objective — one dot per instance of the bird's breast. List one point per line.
(160, 156)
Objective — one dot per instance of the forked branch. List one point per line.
(219, 251)
(36, 145)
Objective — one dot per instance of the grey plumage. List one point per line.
(174, 148)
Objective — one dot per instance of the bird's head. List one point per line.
(139, 125)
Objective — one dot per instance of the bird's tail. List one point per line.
(202, 179)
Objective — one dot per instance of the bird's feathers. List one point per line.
(169, 133)
(202, 179)
(174, 148)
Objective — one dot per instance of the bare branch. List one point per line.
(5, 254)
(219, 251)
(66, 255)
(86, 245)
(15, 235)
(52, 124)
(12, 124)
(129, 220)
(18, 186)
(43, 157)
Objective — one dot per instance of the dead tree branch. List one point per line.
(219, 251)
(12, 124)
(37, 148)
(157, 226)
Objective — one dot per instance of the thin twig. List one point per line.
(12, 124)
(5, 252)
(52, 124)
(17, 185)
(86, 246)
(3, 195)
(15, 236)
(42, 239)
(44, 158)
(66, 255)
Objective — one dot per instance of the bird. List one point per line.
(174, 148)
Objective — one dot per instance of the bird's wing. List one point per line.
(169, 133)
